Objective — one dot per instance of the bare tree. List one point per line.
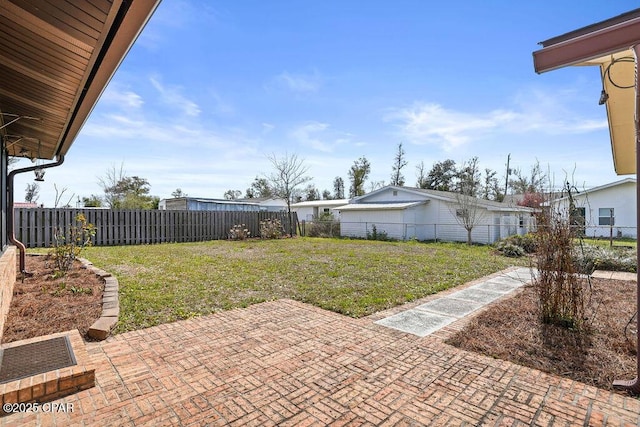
(58, 198)
(374, 185)
(109, 182)
(399, 162)
(289, 174)
(468, 212)
(422, 181)
(534, 183)
(32, 193)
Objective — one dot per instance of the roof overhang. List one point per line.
(380, 206)
(56, 58)
(608, 45)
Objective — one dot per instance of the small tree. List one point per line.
(92, 201)
(260, 187)
(421, 176)
(289, 174)
(442, 176)
(338, 188)
(32, 193)
(178, 193)
(232, 194)
(534, 183)
(399, 162)
(468, 213)
(358, 175)
(560, 293)
(68, 246)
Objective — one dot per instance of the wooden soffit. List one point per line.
(56, 58)
(608, 45)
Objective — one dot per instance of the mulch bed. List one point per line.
(511, 330)
(44, 304)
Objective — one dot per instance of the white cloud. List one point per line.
(173, 97)
(267, 128)
(431, 123)
(123, 98)
(299, 83)
(314, 134)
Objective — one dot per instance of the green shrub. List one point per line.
(67, 246)
(374, 234)
(525, 245)
(509, 249)
(589, 258)
(271, 229)
(239, 232)
(527, 242)
(324, 229)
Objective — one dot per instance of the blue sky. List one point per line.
(212, 87)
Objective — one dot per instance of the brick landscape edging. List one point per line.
(101, 328)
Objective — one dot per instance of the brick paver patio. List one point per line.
(289, 363)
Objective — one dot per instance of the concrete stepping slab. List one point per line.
(477, 295)
(417, 322)
(438, 313)
(523, 274)
(503, 286)
(450, 306)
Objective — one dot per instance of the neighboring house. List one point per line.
(238, 205)
(24, 205)
(267, 204)
(313, 209)
(604, 210)
(406, 213)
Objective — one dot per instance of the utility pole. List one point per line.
(506, 179)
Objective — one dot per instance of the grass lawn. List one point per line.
(166, 282)
(616, 242)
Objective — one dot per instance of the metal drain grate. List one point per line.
(35, 358)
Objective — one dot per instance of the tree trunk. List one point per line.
(469, 242)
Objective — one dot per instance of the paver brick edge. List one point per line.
(101, 328)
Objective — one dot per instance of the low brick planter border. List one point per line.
(51, 385)
(101, 328)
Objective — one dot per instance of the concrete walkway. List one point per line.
(292, 364)
(440, 312)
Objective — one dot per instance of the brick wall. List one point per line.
(7, 280)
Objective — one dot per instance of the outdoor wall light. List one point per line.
(603, 97)
(39, 175)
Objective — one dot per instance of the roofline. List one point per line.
(603, 38)
(127, 24)
(382, 206)
(600, 187)
(307, 203)
(451, 197)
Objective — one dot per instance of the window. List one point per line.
(326, 210)
(461, 213)
(395, 192)
(606, 216)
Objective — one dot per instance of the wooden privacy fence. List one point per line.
(35, 226)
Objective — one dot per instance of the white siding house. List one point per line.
(406, 213)
(609, 208)
(312, 209)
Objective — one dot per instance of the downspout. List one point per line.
(10, 219)
(633, 386)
